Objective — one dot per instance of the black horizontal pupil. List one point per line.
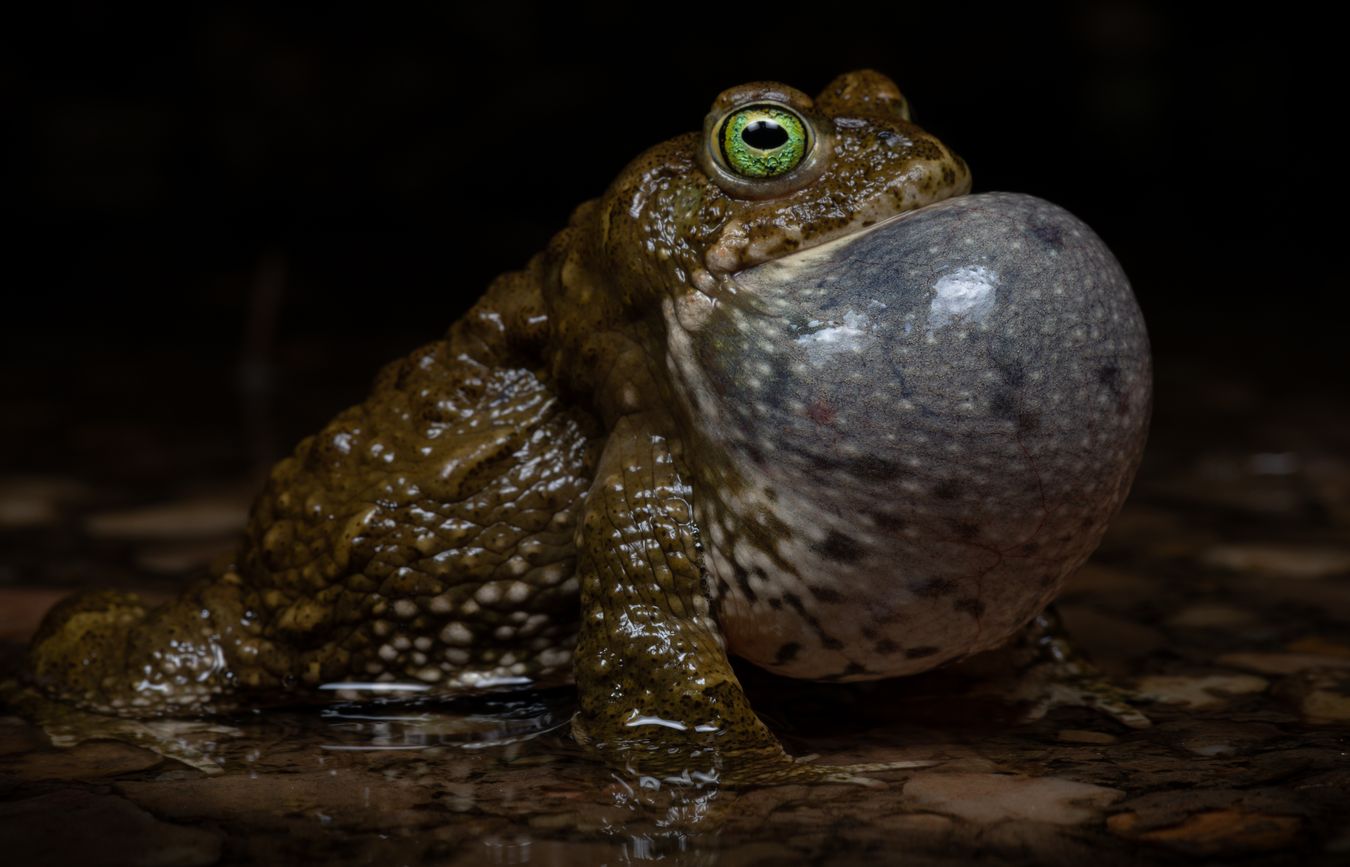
(764, 135)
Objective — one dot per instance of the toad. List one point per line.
(785, 392)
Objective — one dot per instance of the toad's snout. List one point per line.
(907, 438)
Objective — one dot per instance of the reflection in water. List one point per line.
(514, 849)
(968, 293)
(666, 819)
(470, 723)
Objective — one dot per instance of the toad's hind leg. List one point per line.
(656, 693)
(109, 651)
(423, 538)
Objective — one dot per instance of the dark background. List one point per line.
(230, 213)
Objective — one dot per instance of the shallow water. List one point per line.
(1221, 595)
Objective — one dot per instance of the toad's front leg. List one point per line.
(656, 692)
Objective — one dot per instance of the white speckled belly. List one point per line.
(906, 439)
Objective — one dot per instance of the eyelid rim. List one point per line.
(820, 147)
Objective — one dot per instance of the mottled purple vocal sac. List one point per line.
(944, 411)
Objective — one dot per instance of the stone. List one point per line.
(1214, 832)
(988, 798)
(1283, 663)
(1212, 616)
(71, 826)
(22, 608)
(1289, 561)
(1080, 736)
(350, 799)
(35, 501)
(92, 760)
(221, 514)
(1198, 693)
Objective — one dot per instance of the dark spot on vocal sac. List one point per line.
(871, 467)
(743, 582)
(885, 645)
(787, 653)
(853, 668)
(826, 640)
(1109, 376)
(888, 523)
(965, 530)
(825, 594)
(1010, 371)
(1027, 422)
(821, 412)
(935, 588)
(921, 652)
(971, 606)
(775, 603)
(1049, 234)
(839, 547)
(1003, 404)
(947, 490)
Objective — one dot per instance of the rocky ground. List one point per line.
(1221, 596)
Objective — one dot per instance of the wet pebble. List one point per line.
(176, 557)
(1213, 832)
(1199, 692)
(22, 608)
(1290, 561)
(88, 761)
(351, 798)
(71, 826)
(1323, 696)
(1283, 663)
(988, 798)
(1212, 616)
(1081, 736)
(218, 514)
(33, 501)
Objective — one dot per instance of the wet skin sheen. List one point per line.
(731, 408)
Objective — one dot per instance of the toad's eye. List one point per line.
(762, 141)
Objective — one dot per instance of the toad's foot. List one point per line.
(726, 763)
(109, 652)
(1052, 673)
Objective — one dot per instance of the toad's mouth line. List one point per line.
(829, 247)
(868, 218)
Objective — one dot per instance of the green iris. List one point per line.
(762, 141)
